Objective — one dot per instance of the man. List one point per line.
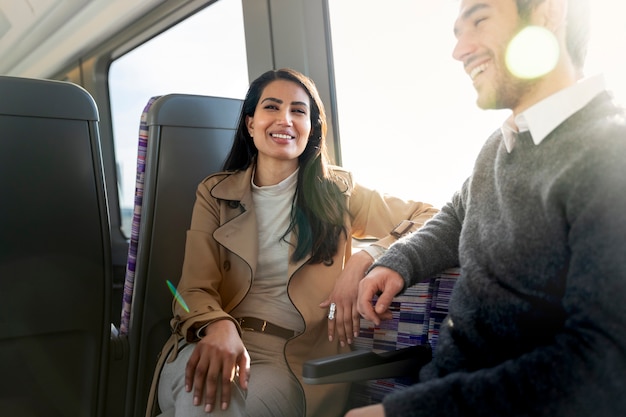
(537, 320)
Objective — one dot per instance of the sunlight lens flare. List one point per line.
(177, 296)
(532, 53)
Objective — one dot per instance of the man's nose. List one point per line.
(463, 48)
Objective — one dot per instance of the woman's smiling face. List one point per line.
(281, 124)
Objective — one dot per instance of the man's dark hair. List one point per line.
(578, 26)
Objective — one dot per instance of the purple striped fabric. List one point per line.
(442, 289)
(129, 280)
(417, 315)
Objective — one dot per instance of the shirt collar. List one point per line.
(543, 117)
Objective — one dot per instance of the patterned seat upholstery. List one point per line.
(131, 263)
(417, 315)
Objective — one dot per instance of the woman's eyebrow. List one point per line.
(276, 100)
(279, 101)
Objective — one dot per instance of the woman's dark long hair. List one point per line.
(317, 215)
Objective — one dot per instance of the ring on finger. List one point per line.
(331, 311)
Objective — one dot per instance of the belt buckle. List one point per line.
(250, 329)
(241, 323)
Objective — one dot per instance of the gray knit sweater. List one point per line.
(537, 320)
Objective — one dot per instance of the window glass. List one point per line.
(408, 121)
(204, 54)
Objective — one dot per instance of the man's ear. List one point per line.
(551, 14)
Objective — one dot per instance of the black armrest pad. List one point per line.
(362, 365)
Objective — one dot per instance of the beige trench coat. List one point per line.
(221, 259)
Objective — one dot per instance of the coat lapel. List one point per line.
(238, 219)
(238, 230)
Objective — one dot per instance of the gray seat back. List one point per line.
(55, 262)
(189, 138)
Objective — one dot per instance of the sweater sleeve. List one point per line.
(432, 248)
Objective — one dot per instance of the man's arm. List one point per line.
(432, 248)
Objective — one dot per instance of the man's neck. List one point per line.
(553, 82)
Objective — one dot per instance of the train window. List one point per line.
(204, 54)
(408, 122)
(397, 93)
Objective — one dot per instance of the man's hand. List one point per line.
(380, 280)
(215, 361)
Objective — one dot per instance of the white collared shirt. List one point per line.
(543, 117)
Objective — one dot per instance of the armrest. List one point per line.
(362, 365)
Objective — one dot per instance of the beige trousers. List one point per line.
(273, 391)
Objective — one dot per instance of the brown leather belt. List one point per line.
(252, 324)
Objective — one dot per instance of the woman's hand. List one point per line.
(344, 296)
(215, 361)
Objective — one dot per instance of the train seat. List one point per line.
(183, 139)
(388, 357)
(55, 251)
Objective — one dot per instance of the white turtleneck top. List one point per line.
(267, 298)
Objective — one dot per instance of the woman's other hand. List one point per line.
(215, 361)
(346, 322)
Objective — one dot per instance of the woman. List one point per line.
(264, 264)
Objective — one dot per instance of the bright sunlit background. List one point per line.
(408, 122)
(407, 115)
